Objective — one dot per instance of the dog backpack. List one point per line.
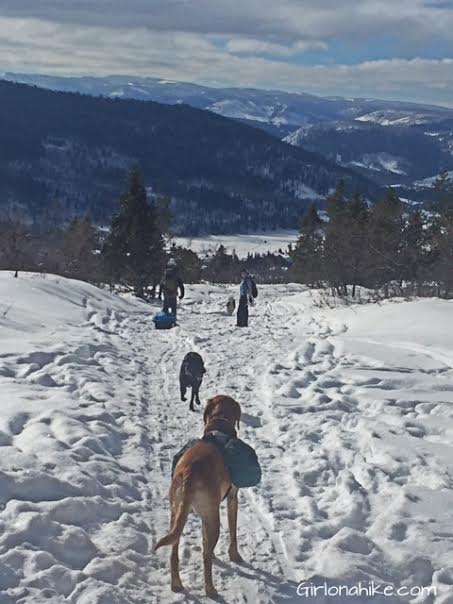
(242, 463)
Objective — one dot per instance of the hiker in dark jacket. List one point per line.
(245, 297)
(169, 287)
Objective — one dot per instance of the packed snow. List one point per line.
(253, 243)
(350, 409)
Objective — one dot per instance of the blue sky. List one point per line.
(373, 48)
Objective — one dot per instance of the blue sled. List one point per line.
(163, 320)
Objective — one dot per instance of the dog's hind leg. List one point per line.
(176, 584)
(232, 507)
(211, 530)
(180, 507)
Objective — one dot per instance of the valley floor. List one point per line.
(350, 411)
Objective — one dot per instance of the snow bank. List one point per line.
(254, 243)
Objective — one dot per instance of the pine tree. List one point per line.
(385, 242)
(336, 201)
(134, 248)
(79, 245)
(356, 257)
(307, 254)
(164, 215)
(443, 190)
(336, 246)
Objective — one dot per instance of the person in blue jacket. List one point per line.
(245, 297)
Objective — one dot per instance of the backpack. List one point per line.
(240, 459)
(242, 463)
(254, 288)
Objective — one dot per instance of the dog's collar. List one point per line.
(219, 437)
(219, 420)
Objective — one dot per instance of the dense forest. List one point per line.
(387, 154)
(131, 254)
(66, 154)
(381, 246)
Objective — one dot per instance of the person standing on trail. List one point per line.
(169, 287)
(245, 297)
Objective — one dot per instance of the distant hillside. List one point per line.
(64, 154)
(388, 155)
(283, 110)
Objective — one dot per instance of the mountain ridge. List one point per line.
(74, 150)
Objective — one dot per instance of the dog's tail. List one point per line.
(180, 519)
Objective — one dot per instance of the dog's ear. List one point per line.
(238, 414)
(207, 410)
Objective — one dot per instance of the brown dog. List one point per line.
(200, 482)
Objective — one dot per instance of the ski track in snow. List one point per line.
(353, 432)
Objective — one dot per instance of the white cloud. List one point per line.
(248, 46)
(283, 22)
(220, 42)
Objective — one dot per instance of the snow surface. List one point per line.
(392, 117)
(349, 408)
(257, 243)
(379, 162)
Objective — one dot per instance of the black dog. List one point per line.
(191, 376)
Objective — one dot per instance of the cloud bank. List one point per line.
(382, 49)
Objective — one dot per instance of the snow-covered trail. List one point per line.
(350, 411)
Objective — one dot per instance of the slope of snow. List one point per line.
(349, 409)
(380, 162)
(391, 117)
(256, 243)
(250, 110)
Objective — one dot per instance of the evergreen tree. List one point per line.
(164, 215)
(79, 245)
(442, 250)
(336, 247)
(356, 256)
(134, 248)
(418, 249)
(307, 254)
(386, 239)
(189, 262)
(443, 189)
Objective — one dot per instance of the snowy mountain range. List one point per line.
(387, 141)
(284, 110)
(65, 154)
